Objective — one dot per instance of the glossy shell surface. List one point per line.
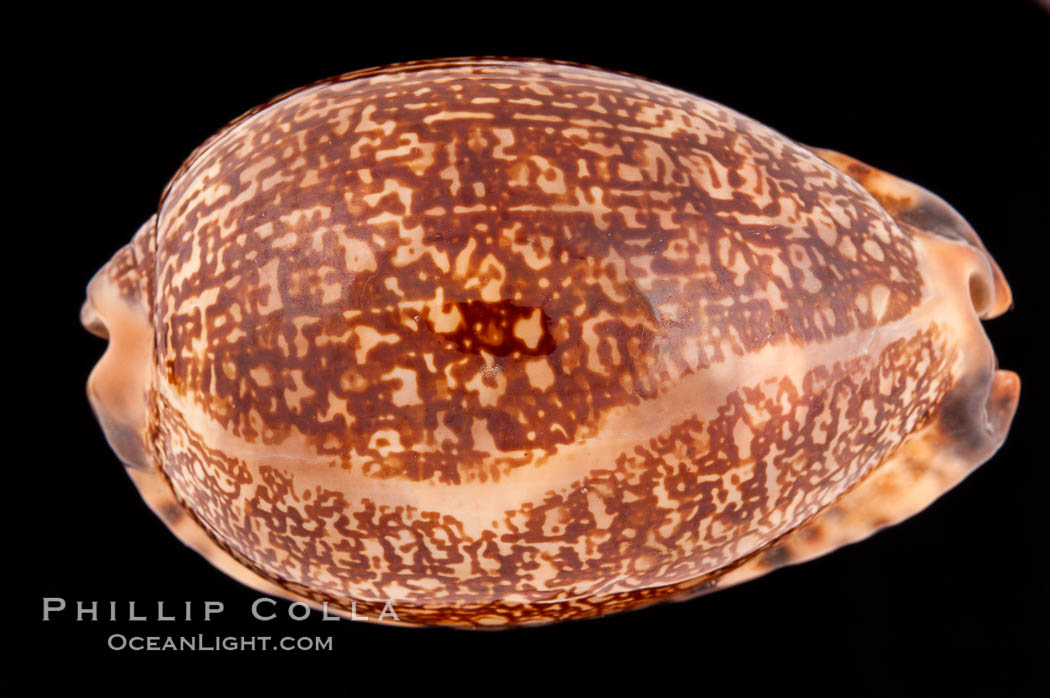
(509, 342)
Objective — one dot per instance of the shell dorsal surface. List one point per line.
(515, 341)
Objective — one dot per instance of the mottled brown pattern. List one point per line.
(512, 342)
(659, 516)
(131, 271)
(657, 233)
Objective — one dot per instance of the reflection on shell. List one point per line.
(510, 342)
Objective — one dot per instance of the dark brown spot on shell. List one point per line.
(490, 327)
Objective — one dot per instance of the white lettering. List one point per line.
(53, 604)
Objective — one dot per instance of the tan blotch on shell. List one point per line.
(508, 342)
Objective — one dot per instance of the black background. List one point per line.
(949, 97)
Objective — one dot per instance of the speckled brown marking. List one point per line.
(704, 525)
(515, 341)
(657, 233)
(918, 210)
